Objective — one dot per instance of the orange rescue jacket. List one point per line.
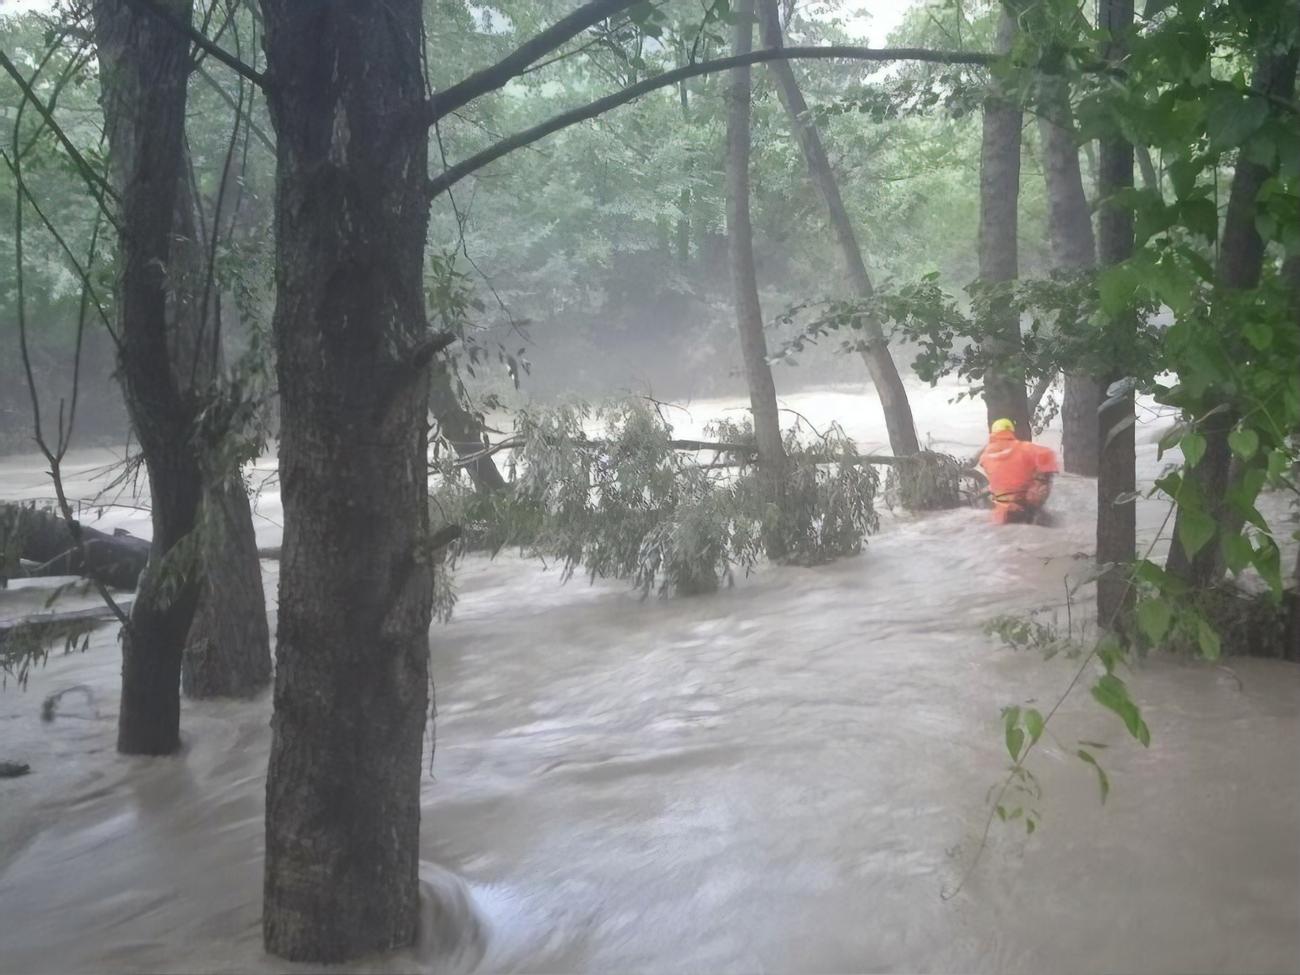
(1014, 468)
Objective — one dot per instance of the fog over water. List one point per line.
(781, 777)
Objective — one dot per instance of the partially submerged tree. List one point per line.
(353, 346)
(749, 314)
(1116, 472)
(875, 347)
(1004, 383)
(1074, 250)
(144, 69)
(1239, 267)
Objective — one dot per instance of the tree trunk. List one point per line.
(1116, 471)
(461, 429)
(1241, 258)
(749, 314)
(352, 661)
(1150, 178)
(1073, 248)
(1004, 384)
(683, 243)
(228, 650)
(880, 364)
(43, 537)
(144, 66)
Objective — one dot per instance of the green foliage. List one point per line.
(1062, 327)
(627, 504)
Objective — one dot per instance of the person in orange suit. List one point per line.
(1020, 475)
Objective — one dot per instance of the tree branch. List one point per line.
(98, 185)
(450, 177)
(197, 37)
(517, 61)
(267, 142)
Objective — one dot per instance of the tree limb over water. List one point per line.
(451, 176)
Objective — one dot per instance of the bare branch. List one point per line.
(449, 177)
(54, 457)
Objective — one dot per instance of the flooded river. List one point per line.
(782, 777)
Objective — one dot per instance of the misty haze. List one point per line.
(647, 485)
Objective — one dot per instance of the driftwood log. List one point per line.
(43, 539)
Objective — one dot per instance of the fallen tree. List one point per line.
(45, 540)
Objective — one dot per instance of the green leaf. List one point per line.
(1111, 692)
(1195, 529)
(1244, 443)
(1278, 463)
(1034, 724)
(1154, 617)
(1232, 119)
(1268, 563)
(1237, 551)
(1015, 741)
(1193, 445)
(1207, 640)
(1101, 775)
(1110, 652)
(1200, 217)
(1115, 287)
(1170, 440)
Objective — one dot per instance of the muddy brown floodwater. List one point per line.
(781, 777)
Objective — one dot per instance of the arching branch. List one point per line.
(449, 177)
(517, 61)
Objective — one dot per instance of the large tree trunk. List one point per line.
(1116, 472)
(144, 65)
(1004, 385)
(749, 314)
(228, 650)
(1073, 249)
(1241, 259)
(352, 660)
(884, 373)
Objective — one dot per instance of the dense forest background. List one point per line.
(596, 260)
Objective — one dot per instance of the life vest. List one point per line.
(1015, 470)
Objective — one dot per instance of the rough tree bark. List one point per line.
(143, 67)
(880, 364)
(228, 650)
(352, 660)
(1241, 260)
(1116, 471)
(1004, 385)
(1073, 248)
(749, 313)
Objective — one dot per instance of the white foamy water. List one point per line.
(781, 777)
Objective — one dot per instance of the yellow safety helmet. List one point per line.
(1000, 425)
